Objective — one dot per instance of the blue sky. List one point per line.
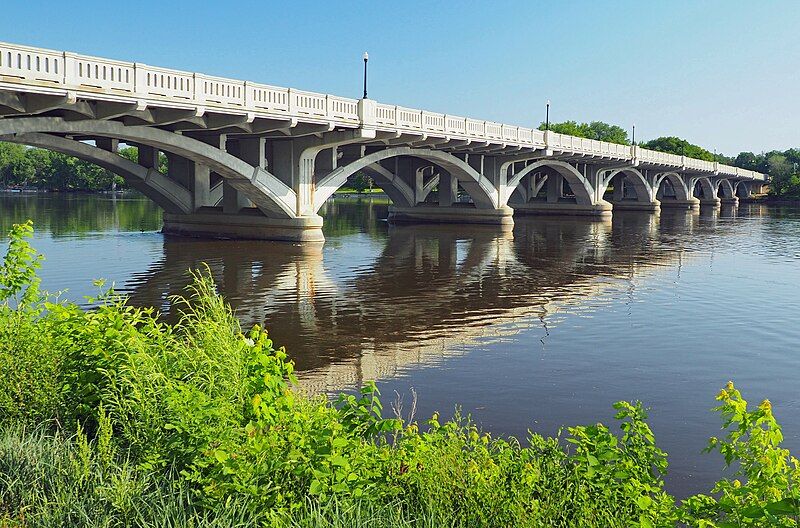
(723, 74)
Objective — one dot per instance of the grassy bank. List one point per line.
(110, 417)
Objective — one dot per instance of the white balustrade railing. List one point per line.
(433, 122)
(456, 125)
(101, 74)
(220, 91)
(493, 130)
(307, 103)
(409, 118)
(269, 98)
(476, 128)
(160, 82)
(33, 66)
(342, 107)
(386, 115)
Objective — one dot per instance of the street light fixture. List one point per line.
(547, 116)
(633, 135)
(366, 58)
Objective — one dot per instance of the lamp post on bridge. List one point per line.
(633, 135)
(547, 116)
(366, 58)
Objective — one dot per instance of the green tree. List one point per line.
(360, 182)
(746, 160)
(595, 130)
(679, 146)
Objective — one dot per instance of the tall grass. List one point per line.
(110, 417)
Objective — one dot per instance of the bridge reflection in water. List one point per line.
(430, 292)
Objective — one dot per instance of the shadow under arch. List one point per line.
(644, 192)
(478, 186)
(580, 186)
(675, 183)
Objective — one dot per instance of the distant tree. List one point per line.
(746, 160)
(679, 146)
(793, 156)
(605, 132)
(571, 128)
(360, 182)
(129, 153)
(594, 130)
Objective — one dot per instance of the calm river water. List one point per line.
(539, 328)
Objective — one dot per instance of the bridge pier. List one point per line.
(712, 202)
(635, 205)
(247, 224)
(692, 204)
(567, 208)
(453, 214)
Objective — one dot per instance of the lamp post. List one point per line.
(633, 135)
(366, 58)
(547, 116)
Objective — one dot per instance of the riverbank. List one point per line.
(110, 416)
(75, 192)
(777, 200)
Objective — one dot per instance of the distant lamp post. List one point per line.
(633, 135)
(366, 58)
(547, 116)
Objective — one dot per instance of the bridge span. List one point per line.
(257, 161)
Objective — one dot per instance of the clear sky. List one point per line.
(724, 74)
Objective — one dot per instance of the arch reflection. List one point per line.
(425, 292)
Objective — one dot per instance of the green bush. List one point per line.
(111, 417)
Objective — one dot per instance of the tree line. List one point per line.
(782, 166)
(26, 167)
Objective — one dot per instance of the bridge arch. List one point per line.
(708, 189)
(166, 193)
(268, 193)
(580, 186)
(726, 188)
(479, 187)
(682, 191)
(644, 191)
(742, 189)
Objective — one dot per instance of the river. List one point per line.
(542, 327)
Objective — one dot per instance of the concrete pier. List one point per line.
(244, 225)
(635, 205)
(455, 214)
(564, 208)
(690, 204)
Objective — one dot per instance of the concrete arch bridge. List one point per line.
(257, 161)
